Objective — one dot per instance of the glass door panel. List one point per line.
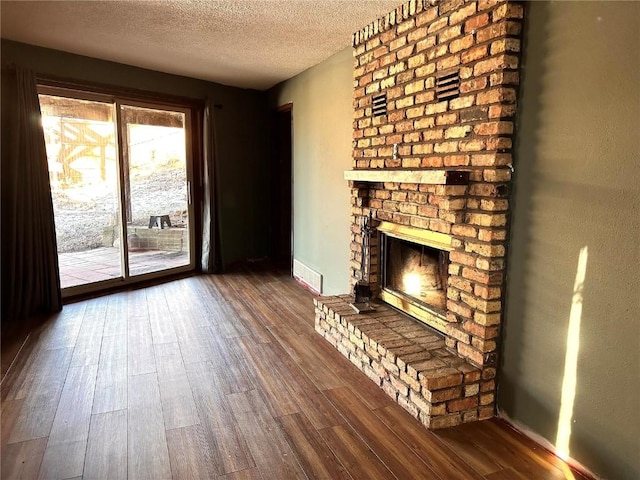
(155, 188)
(83, 172)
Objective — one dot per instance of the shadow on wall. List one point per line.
(575, 187)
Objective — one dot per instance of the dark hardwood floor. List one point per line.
(223, 377)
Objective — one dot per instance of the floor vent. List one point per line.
(309, 277)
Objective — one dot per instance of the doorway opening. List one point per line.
(120, 173)
(281, 241)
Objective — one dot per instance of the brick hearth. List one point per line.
(437, 158)
(409, 362)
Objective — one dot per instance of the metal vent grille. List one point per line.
(448, 85)
(380, 105)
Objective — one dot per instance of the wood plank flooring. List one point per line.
(222, 377)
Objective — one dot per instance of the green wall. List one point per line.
(322, 116)
(576, 185)
(240, 134)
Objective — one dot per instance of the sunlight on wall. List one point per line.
(571, 359)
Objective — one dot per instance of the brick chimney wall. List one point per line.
(403, 54)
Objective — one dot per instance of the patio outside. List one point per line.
(83, 169)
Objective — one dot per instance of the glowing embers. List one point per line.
(416, 271)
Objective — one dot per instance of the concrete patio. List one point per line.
(103, 263)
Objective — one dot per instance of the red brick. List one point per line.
(437, 52)
(417, 34)
(447, 119)
(505, 45)
(397, 43)
(415, 112)
(387, 36)
(497, 175)
(446, 147)
(474, 54)
(461, 44)
(508, 10)
(405, 52)
(506, 77)
(371, 44)
(442, 395)
(470, 353)
(462, 404)
(428, 16)
(380, 51)
(432, 162)
(488, 386)
(464, 231)
(490, 235)
(456, 160)
(476, 22)
(485, 413)
(448, 62)
(494, 128)
(487, 293)
(462, 102)
(405, 126)
(440, 378)
(490, 264)
(449, 33)
(445, 421)
(502, 111)
(459, 309)
(438, 24)
(493, 278)
(462, 13)
(472, 146)
(388, 59)
(496, 96)
(433, 134)
(406, 26)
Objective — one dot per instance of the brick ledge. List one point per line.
(409, 361)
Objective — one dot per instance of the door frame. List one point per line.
(278, 180)
(193, 111)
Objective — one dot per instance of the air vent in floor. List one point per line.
(309, 277)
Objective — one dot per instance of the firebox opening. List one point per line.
(414, 270)
(417, 271)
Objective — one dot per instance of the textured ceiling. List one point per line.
(245, 43)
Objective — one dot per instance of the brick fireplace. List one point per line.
(435, 87)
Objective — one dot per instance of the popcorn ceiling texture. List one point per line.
(248, 43)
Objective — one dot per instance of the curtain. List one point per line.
(30, 275)
(211, 259)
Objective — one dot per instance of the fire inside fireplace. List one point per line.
(414, 272)
(418, 271)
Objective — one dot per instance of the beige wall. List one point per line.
(576, 185)
(322, 116)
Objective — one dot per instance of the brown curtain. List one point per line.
(30, 275)
(210, 261)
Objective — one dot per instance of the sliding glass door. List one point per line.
(120, 175)
(155, 187)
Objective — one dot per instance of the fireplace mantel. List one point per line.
(432, 177)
